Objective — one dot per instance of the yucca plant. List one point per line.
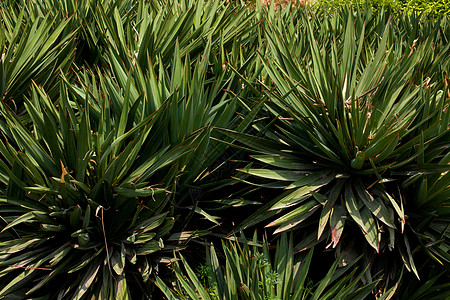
(190, 103)
(189, 71)
(83, 197)
(151, 30)
(113, 150)
(252, 272)
(99, 165)
(34, 47)
(347, 121)
(429, 218)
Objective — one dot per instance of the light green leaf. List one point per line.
(284, 175)
(353, 206)
(149, 247)
(374, 205)
(23, 218)
(86, 282)
(116, 262)
(122, 291)
(306, 185)
(283, 162)
(370, 226)
(324, 217)
(294, 214)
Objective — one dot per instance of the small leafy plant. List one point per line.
(251, 272)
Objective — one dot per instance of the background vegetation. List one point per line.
(142, 142)
(430, 7)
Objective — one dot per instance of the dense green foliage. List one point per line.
(135, 134)
(250, 274)
(429, 7)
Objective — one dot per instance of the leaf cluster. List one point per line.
(134, 133)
